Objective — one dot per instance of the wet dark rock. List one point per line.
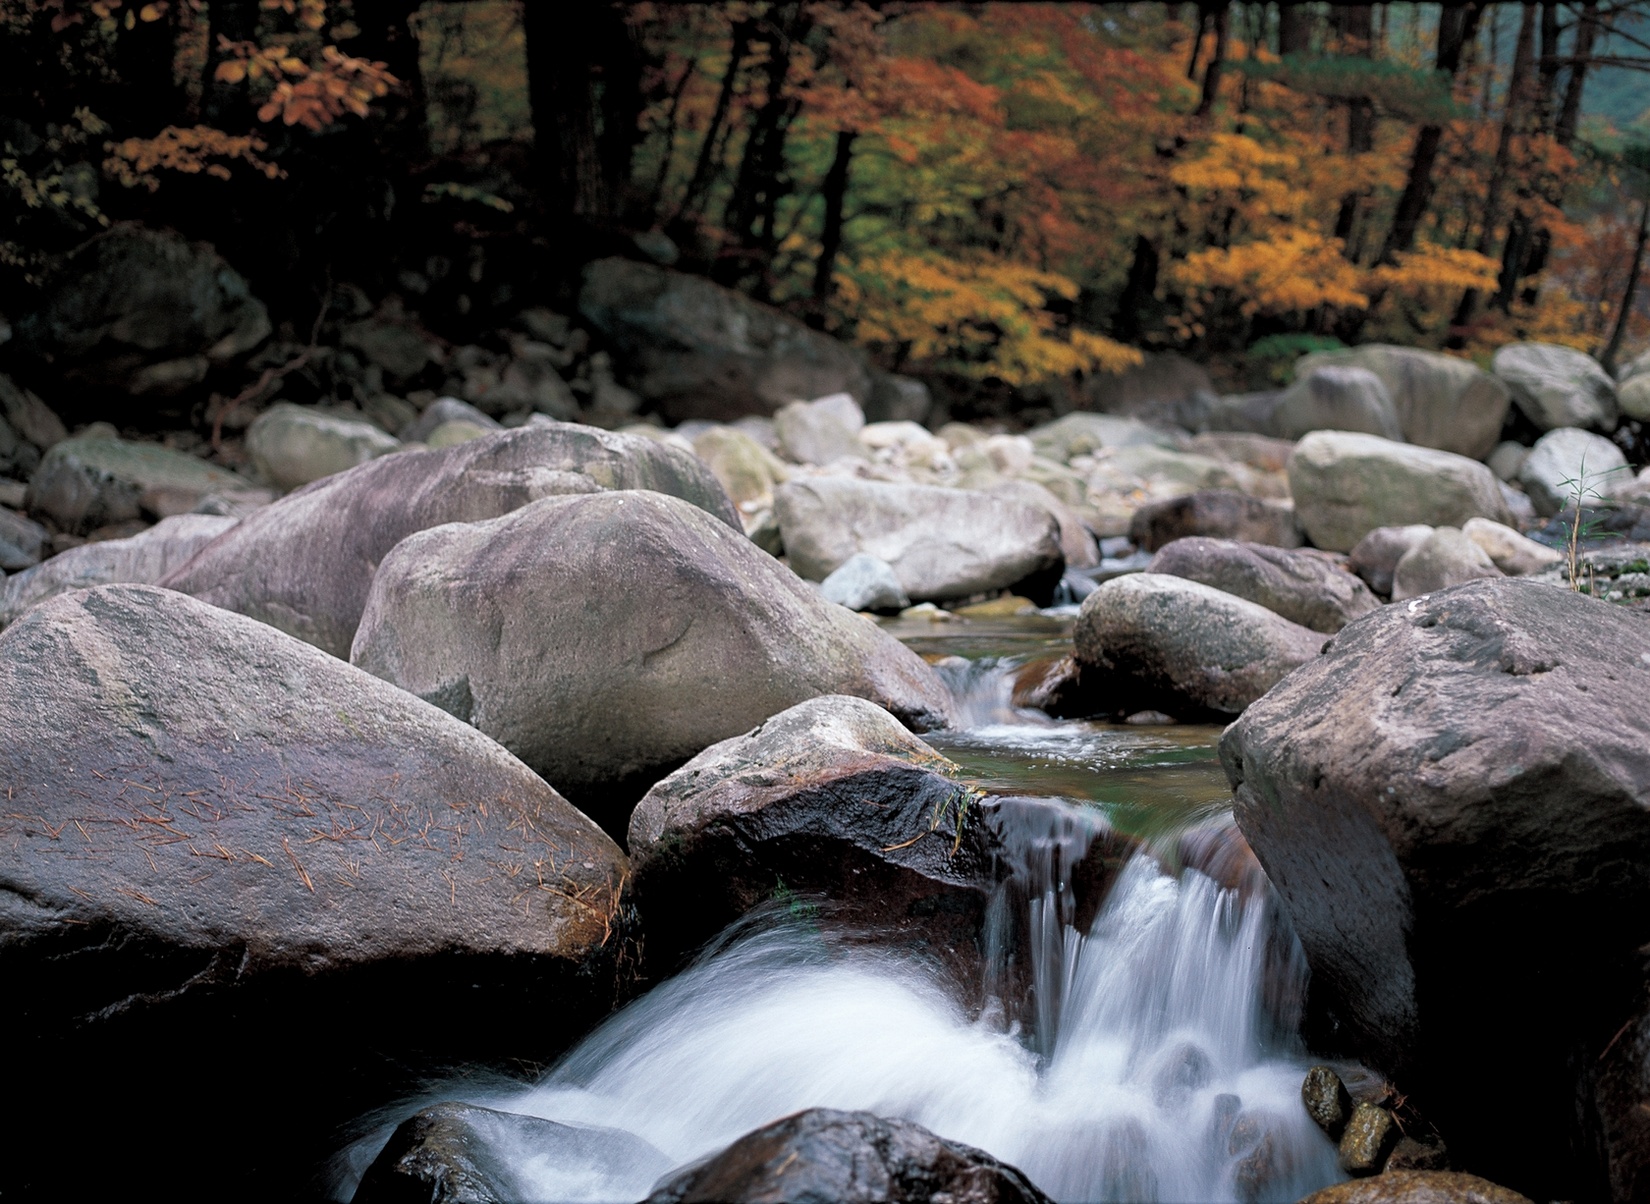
(142, 312)
(823, 1156)
(1621, 1097)
(1181, 1070)
(1458, 780)
(1326, 1100)
(1169, 644)
(1375, 557)
(1304, 587)
(1411, 1154)
(1369, 1136)
(1058, 686)
(91, 481)
(697, 350)
(1218, 513)
(457, 1153)
(305, 564)
(831, 797)
(607, 638)
(223, 848)
(1417, 1187)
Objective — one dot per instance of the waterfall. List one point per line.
(1157, 1061)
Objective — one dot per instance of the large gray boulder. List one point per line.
(1336, 397)
(1217, 513)
(217, 837)
(820, 431)
(142, 312)
(1557, 386)
(942, 543)
(1169, 644)
(1567, 465)
(1444, 558)
(305, 563)
(1458, 782)
(1346, 484)
(606, 638)
(833, 797)
(848, 1158)
(92, 481)
(862, 582)
(293, 445)
(1304, 587)
(1441, 401)
(141, 559)
(698, 350)
(1514, 554)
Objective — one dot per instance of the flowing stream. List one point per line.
(1150, 1053)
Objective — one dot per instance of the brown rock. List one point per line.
(1417, 1187)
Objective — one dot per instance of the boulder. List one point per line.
(607, 638)
(18, 457)
(1507, 459)
(442, 411)
(1186, 648)
(1077, 545)
(22, 541)
(455, 1153)
(1346, 484)
(1444, 558)
(142, 560)
(1417, 1187)
(942, 543)
(29, 416)
(1260, 452)
(91, 481)
(1307, 588)
(835, 799)
(294, 445)
(747, 470)
(218, 837)
(1441, 401)
(849, 1158)
(897, 398)
(1567, 464)
(1514, 554)
(862, 582)
(1375, 557)
(1633, 395)
(1217, 513)
(305, 563)
(697, 350)
(1557, 386)
(1083, 434)
(396, 348)
(818, 432)
(142, 312)
(1459, 781)
(1336, 397)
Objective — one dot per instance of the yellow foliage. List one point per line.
(201, 148)
(1291, 272)
(981, 317)
(1431, 267)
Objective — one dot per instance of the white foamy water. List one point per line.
(1163, 1075)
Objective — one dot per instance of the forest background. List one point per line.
(1017, 196)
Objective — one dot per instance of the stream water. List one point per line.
(1155, 1060)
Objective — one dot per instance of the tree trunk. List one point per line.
(150, 98)
(1570, 114)
(1629, 294)
(1456, 28)
(1294, 29)
(1138, 291)
(761, 179)
(1513, 115)
(1357, 28)
(1547, 74)
(387, 37)
(1211, 74)
(581, 67)
(227, 106)
(835, 191)
(705, 168)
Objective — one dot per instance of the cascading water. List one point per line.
(1145, 1054)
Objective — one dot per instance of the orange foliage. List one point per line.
(311, 95)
